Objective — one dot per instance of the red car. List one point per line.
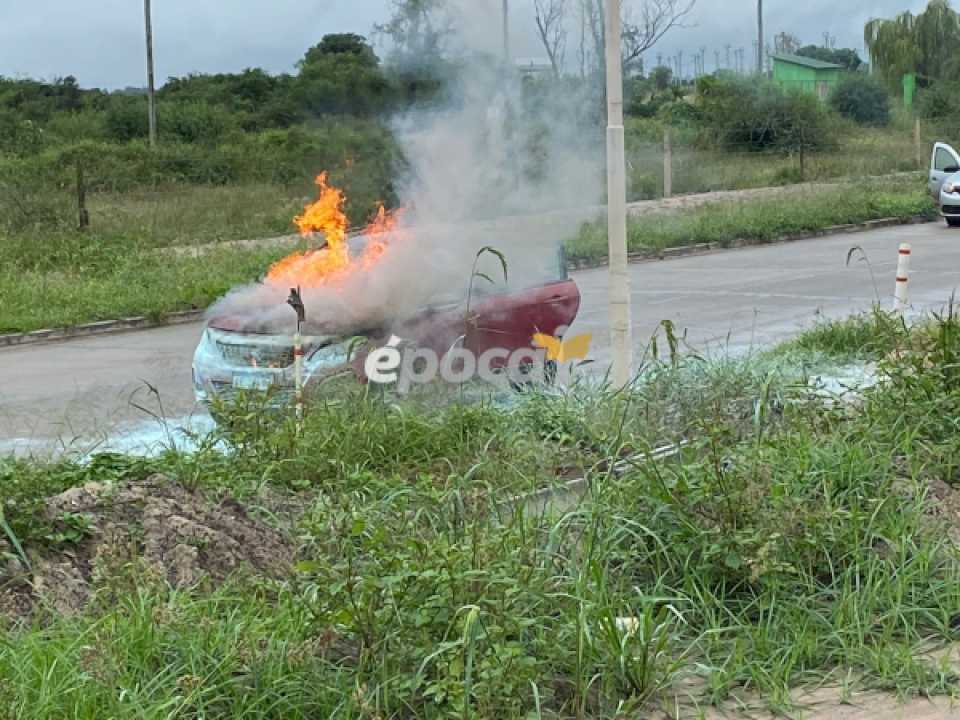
(232, 356)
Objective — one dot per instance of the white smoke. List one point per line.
(509, 162)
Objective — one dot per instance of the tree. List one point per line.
(740, 114)
(418, 30)
(786, 43)
(348, 45)
(662, 77)
(342, 75)
(845, 57)
(656, 19)
(926, 44)
(551, 25)
(863, 99)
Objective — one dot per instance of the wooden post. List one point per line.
(803, 155)
(667, 164)
(918, 145)
(82, 213)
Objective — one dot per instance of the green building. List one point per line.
(793, 72)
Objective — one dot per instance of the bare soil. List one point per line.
(178, 534)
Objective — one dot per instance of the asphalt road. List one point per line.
(78, 393)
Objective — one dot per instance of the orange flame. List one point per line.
(333, 263)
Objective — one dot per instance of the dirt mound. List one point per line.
(179, 535)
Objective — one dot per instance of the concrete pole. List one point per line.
(621, 339)
(151, 91)
(760, 37)
(506, 31)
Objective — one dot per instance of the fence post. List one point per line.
(83, 214)
(918, 144)
(667, 164)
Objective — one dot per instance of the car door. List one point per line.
(944, 162)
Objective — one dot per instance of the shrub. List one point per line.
(739, 114)
(126, 118)
(18, 136)
(195, 122)
(863, 99)
(939, 101)
(77, 126)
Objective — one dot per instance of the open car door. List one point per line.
(944, 162)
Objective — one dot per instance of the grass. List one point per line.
(866, 337)
(790, 543)
(59, 277)
(98, 285)
(54, 276)
(759, 221)
(863, 152)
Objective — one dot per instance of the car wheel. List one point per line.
(549, 379)
(953, 221)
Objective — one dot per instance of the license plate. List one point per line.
(252, 381)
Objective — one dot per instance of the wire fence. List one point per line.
(671, 167)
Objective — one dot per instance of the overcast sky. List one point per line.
(101, 42)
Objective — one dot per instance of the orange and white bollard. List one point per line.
(901, 294)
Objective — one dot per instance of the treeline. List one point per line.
(926, 45)
(213, 129)
(342, 75)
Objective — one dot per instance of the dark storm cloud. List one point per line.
(101, 42)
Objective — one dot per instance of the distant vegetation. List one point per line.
(237, 154)
(224, 129)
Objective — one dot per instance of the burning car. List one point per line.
(250, 348)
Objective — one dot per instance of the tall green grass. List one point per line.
(791, 542)
(758, 221)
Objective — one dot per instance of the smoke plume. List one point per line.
(507, 161)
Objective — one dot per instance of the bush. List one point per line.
(740, 114)
(126, 118)
(939, 101)
(195, 122)
(863, 99)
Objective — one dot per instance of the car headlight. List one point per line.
(951, 187)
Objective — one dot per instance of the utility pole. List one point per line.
(621, 336)
(151, 91)
(506, 31)
(759, 37)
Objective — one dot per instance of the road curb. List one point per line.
(656, 255)
(105, 327)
